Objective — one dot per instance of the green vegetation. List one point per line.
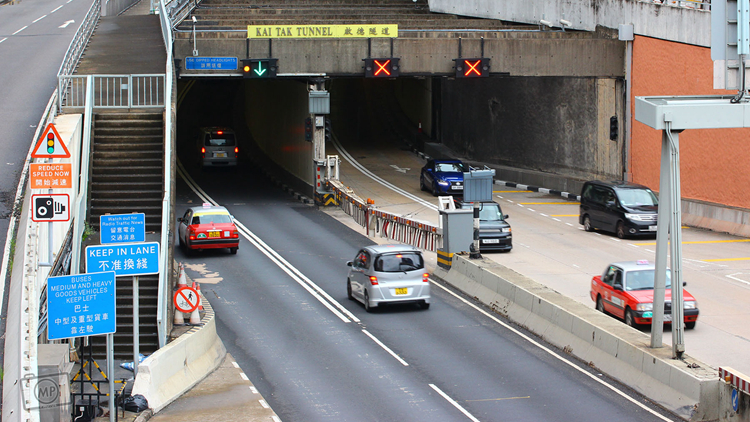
(88, 230)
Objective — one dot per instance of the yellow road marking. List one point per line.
(726, 259)
(502, 398)
(695, 242)
(564, 215)
(510, 191)
(548, 203)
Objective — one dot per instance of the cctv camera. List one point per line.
(194, 20)
(565, 23)
(545, 22)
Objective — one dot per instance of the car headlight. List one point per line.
(644, 306)
(691, 304)
(633, 217)
(443, 183)
(506, 229)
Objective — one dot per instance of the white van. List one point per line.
(218, 147)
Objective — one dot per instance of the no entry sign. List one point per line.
(186, 300)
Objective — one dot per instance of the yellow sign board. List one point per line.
(323, 31)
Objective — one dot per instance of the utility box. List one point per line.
(478, 184)
(52, 387)
(458, 230)
(319, 102)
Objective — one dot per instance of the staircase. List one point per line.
(127, 176)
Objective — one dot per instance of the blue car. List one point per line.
(443, 177)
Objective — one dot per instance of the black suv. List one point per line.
(626, 209)
(494, 231)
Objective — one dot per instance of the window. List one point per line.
(637, 197)
(212, 218)
(449, 167)
(644, 280)
(215, 140)
(362, 260)
(406, 261)
(490, 212)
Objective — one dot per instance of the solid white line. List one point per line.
(243, 376)
(3, 39)
(317, 292)
(20, 30)
(38, 19)
(56, 9)
(453, 402)
(403, 362)
(551, 352)
(737, 279)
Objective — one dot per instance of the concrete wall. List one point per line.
(555, 125)
(653, 20)
(617, 350)
(275, 112)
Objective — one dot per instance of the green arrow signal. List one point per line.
(260, 71)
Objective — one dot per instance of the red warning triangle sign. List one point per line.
(50, 145)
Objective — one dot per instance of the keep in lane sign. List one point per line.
(81, 305)
(124, 259)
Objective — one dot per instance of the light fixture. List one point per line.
(563, 22)
(545, 22)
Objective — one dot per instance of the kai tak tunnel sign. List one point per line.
(323, 31)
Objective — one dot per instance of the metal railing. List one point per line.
(76, 47)
(113, 91)
(689, 4)
(178, 10)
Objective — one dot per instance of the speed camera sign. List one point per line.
(50, 207)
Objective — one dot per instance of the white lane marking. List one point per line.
(543, 214)
(380, 343)
(616, 240)
(372, 176)
(520, 205)
(649, 250)
(511, 201)
(235, 364)
(399, 169)
(499, 196)
(3, 39)
(569, 224)
(253, 390)
(634, 245)
(738, 279)
(276, 418)
(531, 210)
(39, 18)
(453, 402)
(575, 265)
(556, 219)
(551, 352)
(277, 259)
(20, 30)
(56, 9)
(264, 404)
(243, 376)
(65, 24)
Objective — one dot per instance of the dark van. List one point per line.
(626, 209)
(494, 232)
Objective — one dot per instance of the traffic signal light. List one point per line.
(382, 68)
(308, 130)
(259, 68)
(473, 68)
(613, 128)
(328, 131)
(50, 143)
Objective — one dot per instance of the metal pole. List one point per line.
(111, 377)
(136, 328)
(675, 251)
(662, 240)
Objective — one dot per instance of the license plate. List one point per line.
(402, 291)
(491, 241)
(652, 228)
(214, 234)
(458, 188)
(220, 154)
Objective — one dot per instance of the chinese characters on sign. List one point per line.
(213, 63)
(81, 305)
(323, 31)
(124, 259)
(50, 176)
(122, 228)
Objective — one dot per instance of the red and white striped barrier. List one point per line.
(736, 379)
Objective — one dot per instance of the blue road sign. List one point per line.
(81, 305)
(735, 400)
(211, 63)
(124, 259)
(122, 228)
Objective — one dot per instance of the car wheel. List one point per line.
(434, 189)
(421, 183)
(587, 224)
(424, 305)
(349, 290)
(233, 251)
(599, 304)
(630, 319)
(621, 230)
(368, 308)
(690, 325)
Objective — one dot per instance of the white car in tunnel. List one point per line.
(381, 274)
(218, 147)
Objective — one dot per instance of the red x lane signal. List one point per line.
(382, 68)
(473, 68)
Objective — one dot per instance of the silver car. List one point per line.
(388, 274)
(218, 147)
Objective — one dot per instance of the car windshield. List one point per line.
(643, 280)
(490, 212)
(637, 197)
(216, 140)
(211, 218)
(449, 167)
(405, 261)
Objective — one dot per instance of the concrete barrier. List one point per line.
(177, 367)
(687, 387)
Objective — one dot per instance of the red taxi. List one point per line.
(208, 227)
(626, 290)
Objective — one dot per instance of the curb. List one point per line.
(538, 189)
(144, 416)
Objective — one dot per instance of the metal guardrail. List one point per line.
(689, 4)
(384, 224)
(113, 91)
(76, 47)
(178, 10)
